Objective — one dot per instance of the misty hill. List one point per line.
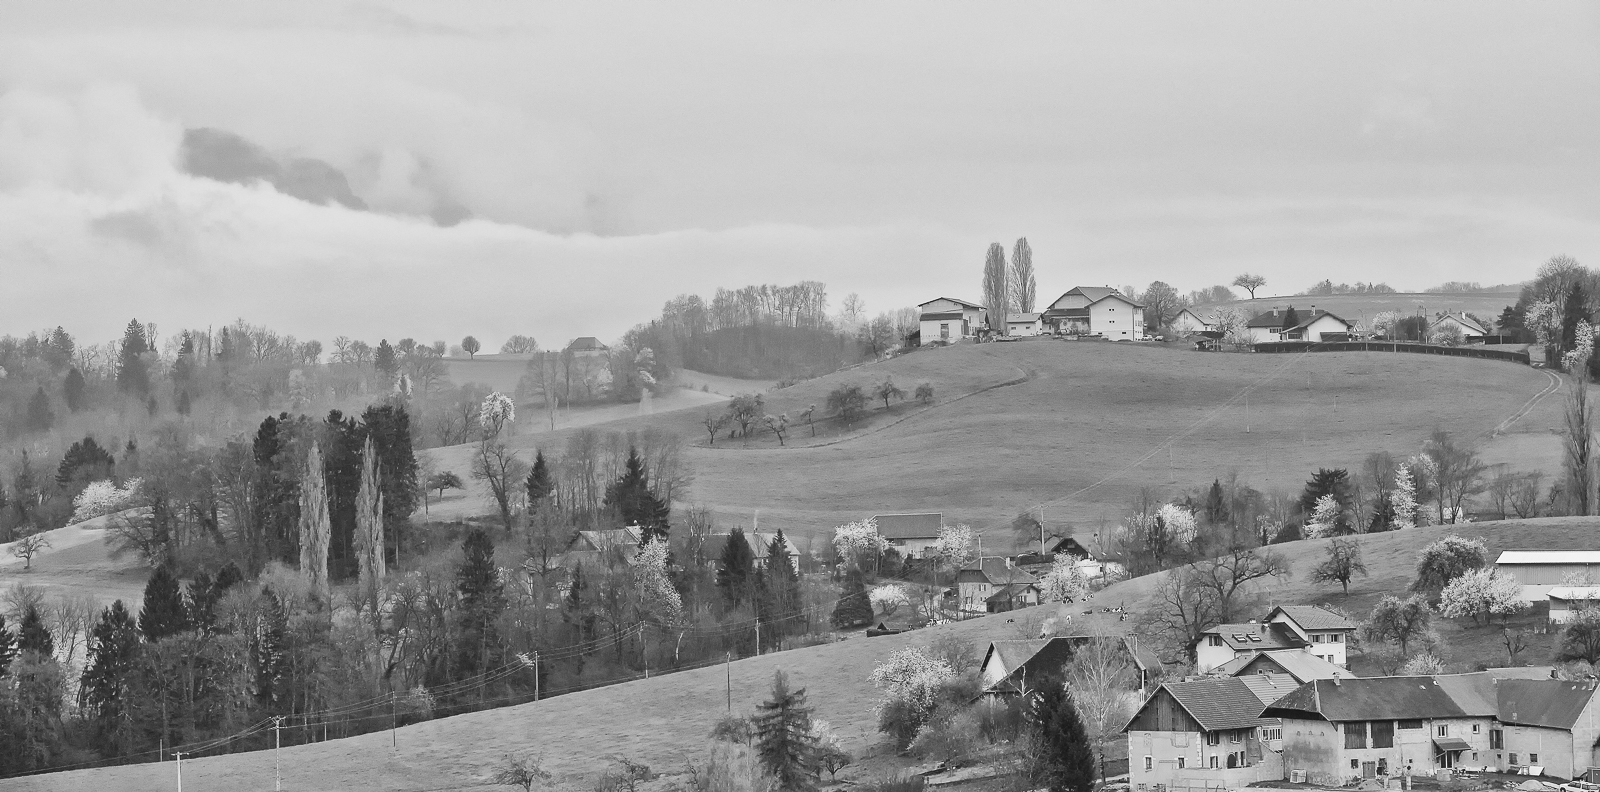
(224, 156)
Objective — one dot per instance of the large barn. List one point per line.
(1541, 570)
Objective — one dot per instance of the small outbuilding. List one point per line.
(1539, 571)
(1566, 601)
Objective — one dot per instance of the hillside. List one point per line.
(78, 563)
(662, 721)
(1082, 426)
(1362, 307)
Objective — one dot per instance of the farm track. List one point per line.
(1522, 412)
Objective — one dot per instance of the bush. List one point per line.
(950, 740)
(104, 497)
(960, 653)
(733, 729)
(908, 783)
(847, 402)
(728, 768)
(924, 393)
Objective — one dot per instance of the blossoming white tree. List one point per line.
(954, 545)
(858, 541)
(497, 411)
(1169, 528)
(1480, 593)
(104, 497)
(1065, 582)
(910, 680)
(1324, 518)
(1403, 499)
(657, 596)
(888, 599)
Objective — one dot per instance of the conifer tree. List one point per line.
(388, 426)
(1216, 510)
(784, 742)
(384, 360)
(133, 376)
(73, 390)
(1066, 760)
(631, 496)
(33, 636)
(269, 652)
(369, 527)
(780, 589)
(163, 613)
(736, 572)
(315, 528)
(8, 647)
(483, 599)
(1290, 318)
(108, 671)
(540, 485)
(854, 608)
(40, 416)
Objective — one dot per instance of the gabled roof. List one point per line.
(1549, 557)
(759, 544)
(586, 344)
(951, 299)
(1552, 703)
(1094, 293)
(611, 537)
(1461, 318)
(1116, 295)
(1011, 591)
(1269, 687)
(1375, 698)
(1255, 635)
(1216, 704)
(1022, 317)
(1313, 617)
(1041, 657)
(1575, 593)
(909, 526)
(1318, 314)
(1011, 654)
(995, 570)
(1272, 318)
(1297, 664)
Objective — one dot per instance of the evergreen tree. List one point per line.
(163, 613)
(573, 605)
(631, 496)
(1216, 509)
(1326, 481)
(40, 416)
(33, 636)
(784, 743)
(60, 349)
(8, 647)
(1066, 761)
(24, 491)
(74, 390)
(384, 360)
(133, 375)
(369, 528)
(346, 438)
(200, 602)
(483, 599)
(277, 495)
(1290, 318)
(1382, 514)
(854, 608)
(540, 484)
(315, 529)
(108, 671)
(85, 461)
(182, 404)
(1573, 311)
(780, 600)
(388, 426)
(736, 572)
(183, 367)
(269, 653)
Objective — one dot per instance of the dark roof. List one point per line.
(1066, 313)
(1451, 744)
(1313, 617)
(1272, 318)
(586, 343)
(1373, 698)
(909, 526)
(1040, 657)
(1217, 704)
(996, 571)
(759, 543)
(1554, 703)
(1071, 546)
(1296, 664)
(951, 299)
(1256, 635)
(1010, 592)
(1094, 293)
(1116, 295)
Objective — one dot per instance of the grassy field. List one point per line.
(1081, 426)
(1362, 307)
(79, 562)
(662, 721)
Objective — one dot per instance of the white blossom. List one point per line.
(954, 544)
(1324, 518)
(104, 497)
(857, 539)
(657, 595)
(1181, 525)
(1582, 348)
(1403, 499)
(497, 411)
(912, 676)
(888, 598)
(1481, 592)
(1544, 319)
(1065, 582)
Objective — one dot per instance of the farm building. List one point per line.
(1328, 633)
(1038, 564)
(1315, 325)
(1009, 664)
(1188, 321)
(1095, 310)
(1469, 328)
(978, 582)
(760, 547)
(1298, 665)
(603, 548)
(911, 535)
(947, 320)
(1024, 324)
(1208, 733)
(1541, 570)
(1224, 642)
(1565, 601)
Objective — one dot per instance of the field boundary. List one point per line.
(1274, 347)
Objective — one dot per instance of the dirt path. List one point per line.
(1551, 387)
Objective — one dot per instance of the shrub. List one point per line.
(961, 654)
(728, 768)
(924, 393)
(847, 402)
(1446, 560)
(951, 740)
(907, 783)
(1424, 664)
(733, 729)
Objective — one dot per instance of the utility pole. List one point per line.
(179, 756)
(729, 668)
(277, 748)
(536, 675)
(394, 725)
(1041, 534)
(758, 637)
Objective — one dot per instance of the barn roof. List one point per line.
(1217, 704)
(951, 299)
(1549, 557)
(1256, 635)
(1313, 617)
(1298, 664)
(1575, 593)
(998, 572)
(1552, 703)
(586, 343)
(909, 526)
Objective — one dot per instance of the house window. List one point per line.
(1214, 640)
(1233, 736)
(1317, 638)
(1355, 734)
(1383, 734)
(1213, 738)
(1213, 761)
(1442, 730)
(944, 331)
(1355, 764)
(1533, 758)
(1149, 763)
(1180, 763)
(1411, 724)
(1383, 767)
(1513, 761)
(1474, 756)
(1474, 728)
(1336, 638)
(1267, 735)
(1497, 739)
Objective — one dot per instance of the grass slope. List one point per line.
(79, 562)
(663, 720)
(1082, 426)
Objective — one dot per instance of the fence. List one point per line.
(1393, 346)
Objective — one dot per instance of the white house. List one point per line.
(1095, 310)
(1188, 321)
(1224, 642)
(1327, 633)
(911, 535)
(1317, 325)
(1206, 734)
(1539, 571)
(1024, 324)
(1469, 327)
(947, 320)
(991, 585)
(587, 346)
(1566, 601)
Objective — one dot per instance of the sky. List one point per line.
(613, 155)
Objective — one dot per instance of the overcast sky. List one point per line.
(614, 155)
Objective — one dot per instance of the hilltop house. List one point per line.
(1541, 570)
(587, 346)
(1296, 665)
(1188, 322)
(760, 545)
(1095, 310)
(911, 535)
(1469, 328)
(1207, 733)
(1316, 325)
(995, 585)
(1224, 642)
(946, 320)
(1008, 665)
(1328, 633)
(1024, 324)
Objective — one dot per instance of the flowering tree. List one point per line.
(1424, 664)
(104, 497)
(1403, 499)
(1544, 319)
(497, 411)
(1157, 534)
(1323, 518)
(859, 540)
(888, 598)
(658, 598)
(954, 546)
(1448, 559)
(1480, 593)
(1384, 324)
(910, 680)
(1065, 582)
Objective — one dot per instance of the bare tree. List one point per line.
(1342, 564)
(1162, 304)
(1179, 610)
(1100, 680)
(524, 773)
(1525, 495)
(1024, 287)
(1459, 473)
(995, 292)
(714, 421)
(1250, 283)
(503, 471)
(1227, 576)
(778, 425)
(27, 547)
(853, 311)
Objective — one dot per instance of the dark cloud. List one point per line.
(224, 156)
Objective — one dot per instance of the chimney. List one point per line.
(1336, 681)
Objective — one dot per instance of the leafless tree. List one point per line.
(1250, 283)
(996, 295)
(526, 773)
(714, 421)
(1342, 564)
(853, 310)
(1227, 576)
(1023, 285)
(1180, 608)
(1162, 304)
(777, 424)
(1459, 473)
(1100, 680)
(503, 471)
(1525, 495)
(27, 547)
(1515, 641)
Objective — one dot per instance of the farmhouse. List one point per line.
(760, 546)
(1208, 733)
(1298, 665)
(1541, 570)
(979, 583)
(603, 548)
(1225, 642)
(1008, 665)
(1566, 601)
(1318, 325)
(1328, 633)
(1188, 321)
(910, 534)
(1091, 567)
(1024, 324)
(587, 346)
(1469, 328)
(946, 320)
(1095, 310)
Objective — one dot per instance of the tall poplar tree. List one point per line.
(315, 528)
(996, 282)
(1024, 286)
(369, 527)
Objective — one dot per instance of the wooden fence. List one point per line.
(1394, 346)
